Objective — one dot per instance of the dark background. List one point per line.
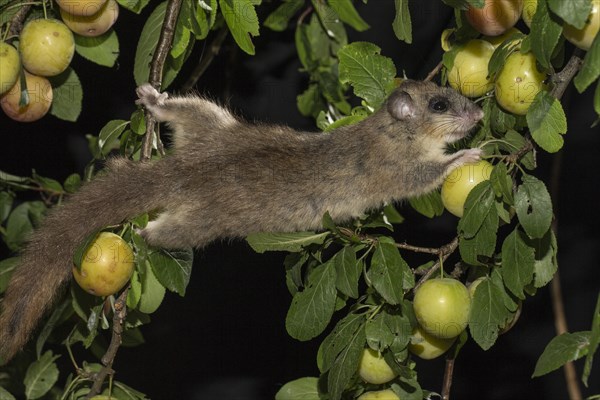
(226, 339)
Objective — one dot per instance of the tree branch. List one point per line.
(213, 50)
(165, 41)
(562, 79)
(447, 384)
(434, 71)
(16, 22)
(113, 347)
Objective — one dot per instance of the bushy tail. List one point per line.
(126, 189)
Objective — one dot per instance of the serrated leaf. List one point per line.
(152, 293)
(402, 24)
(109, 134)
(293, 242)
(102, 50)
(183, 35)
(345, 365)
(590, 70)
(389, 273)
(338, 339)
(370, 74)
(299, 389)
(484, 241)
(517, 263)
(172, 268)
(545, 34)
(5, 395)
(348, 271)
(279, 19)
(547, 122)
(21, 221)
(55, 318)
(488, 312)
(147, 43)
(546, 263)
(312, 308)
(67, 95)
(347, 13)
(242, 21)
(6, 202)
(72, 183)
(502, 183)
(379, 336)
(429, 204)
(477, 206)
(562, 349)
(41, 376)
(134, 5)
(573, 12)
(533, 206)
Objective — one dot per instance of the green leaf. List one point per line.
(172, 268)
(594, 343)
(153, 292)
(312, 308)
(516, 141)
(506, 48)
(347, 13)
(7, 267)
(41, 376)
(547, 122)
(345, 365)
(279, 19)
(370, 74)
(379, 336)
(597, 99)
(533, 206)
(67, 95)
(562, 349)
(429, 204)
(147, 43)
(389, 273)
(518, 261)
(502, 183)
(102, 50)
(484, 241)
(242, 21)
(72, 183)
(590, 70)
(338, 339)
(134, 5)
(6, 202)
(5, 395)
(21, 222)
(299, 389)
(573, 12)
(109, 134)
(348, 271)
(55, 318)
(402, 22)
(545, 258)
(182, 36)
(545, 34)
(82, 248)
(477, 206)
(48, 183)
(293, 242)
(488, 312)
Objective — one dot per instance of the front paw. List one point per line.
(149, 96)
(469, 155)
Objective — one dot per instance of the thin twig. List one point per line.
(448, 372)
(304, 14)
(16, 22)
(113, 347)
(434, 71)
(443, 253)
(213, 50)
(165, 41)
(562, 81)
(417, 249)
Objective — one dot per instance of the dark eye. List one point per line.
(438, 105)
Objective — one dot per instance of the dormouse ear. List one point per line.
(401, 106)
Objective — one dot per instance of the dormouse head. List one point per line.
(426, 108)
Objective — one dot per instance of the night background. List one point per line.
(226, 338)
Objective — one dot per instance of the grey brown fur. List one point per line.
(227, 178)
